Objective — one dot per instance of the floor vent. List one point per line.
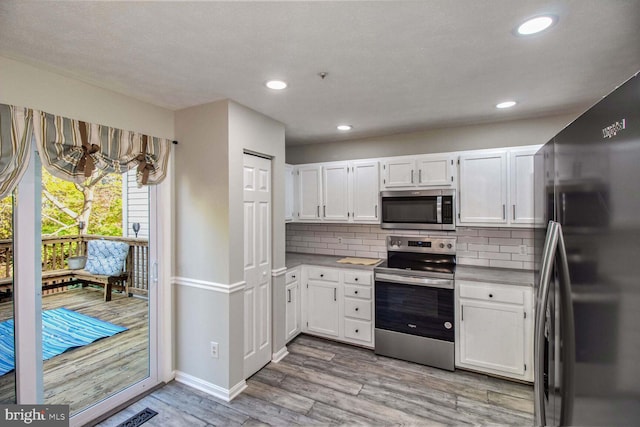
(139, 418)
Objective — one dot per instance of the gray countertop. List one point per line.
(504, 276)
(463, 272)
(294, 259)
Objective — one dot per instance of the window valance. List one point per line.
(15, 138)
(73, 150)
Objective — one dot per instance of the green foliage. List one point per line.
(6, 218)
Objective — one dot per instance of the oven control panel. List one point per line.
(438, 245)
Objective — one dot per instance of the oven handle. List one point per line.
(412, 280)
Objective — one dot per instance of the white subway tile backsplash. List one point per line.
(496, 247)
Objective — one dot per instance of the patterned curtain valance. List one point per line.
(15, 139)
(72, 150)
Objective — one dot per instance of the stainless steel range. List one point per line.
(414, 301)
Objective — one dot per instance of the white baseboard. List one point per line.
(279, 355)
(215, 390)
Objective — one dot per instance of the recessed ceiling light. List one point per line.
(345, 127)
(506, 104)
(535, 25)
(276, 84)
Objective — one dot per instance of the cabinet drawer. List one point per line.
(358, 278)
(357, 292)
(292, 276)
(511, 295)
(359, 309)
(323, 274)
(357, 330)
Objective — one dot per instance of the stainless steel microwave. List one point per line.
(420, 209)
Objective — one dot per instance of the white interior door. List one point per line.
(257, 263)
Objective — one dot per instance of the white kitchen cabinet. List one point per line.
(338, 304)
(495, 330)
(365, 190)
(293, 307)
(430, 170)
(335, 192)
(521, 186)
(322, 308)
(289, 192)
(309, 192)
(483, 188)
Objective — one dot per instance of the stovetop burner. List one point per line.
(421, 256)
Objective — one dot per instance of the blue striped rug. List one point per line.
(62, 329)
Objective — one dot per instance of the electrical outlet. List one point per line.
(523, 249)
(214, 349)
(340, 240)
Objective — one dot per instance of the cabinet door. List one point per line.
(492, 336)
(399, 173)
(365, 191)
(293, 309)
(435, 171)
(483, 188)
(322, 308)
(521, 186)
(309, 192)
(335, 205)
(289, 194)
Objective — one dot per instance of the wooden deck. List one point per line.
(86, 375)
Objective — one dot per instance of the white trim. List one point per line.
(279, 355)
(276, 272)
(215, 390)
(209, 286)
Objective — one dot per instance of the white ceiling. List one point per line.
(393, 66)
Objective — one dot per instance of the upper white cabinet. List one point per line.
(289, 192)
(337, 191)
(309, 193)
(365, 191)
(497, 187)
(433, 170)
(483, 188)
(521, 186)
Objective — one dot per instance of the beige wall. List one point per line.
(472, 137)
(31, 87)
(209, 228)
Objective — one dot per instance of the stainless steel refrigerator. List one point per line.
(587, 246)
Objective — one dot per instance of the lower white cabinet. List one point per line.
(293, 306)
(495, 329)
(338, 304)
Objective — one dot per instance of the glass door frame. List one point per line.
(28, 299)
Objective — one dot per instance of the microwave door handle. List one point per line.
(569, 333)
(548, 254)
(439, 210)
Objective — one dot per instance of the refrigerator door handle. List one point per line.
(548, 255)
(568, 332)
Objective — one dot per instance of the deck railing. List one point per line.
(57, 249)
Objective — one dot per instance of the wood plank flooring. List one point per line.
(86, 375)
(322, 382)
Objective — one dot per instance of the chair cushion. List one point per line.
(106, 257)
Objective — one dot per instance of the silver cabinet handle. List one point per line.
(289, 297)
(419, 176)
(318, 211)
(324, 211)
(335, 292)
(514, 212)
(376, 209)
(504, 211)
(412, 176)
(462, 313)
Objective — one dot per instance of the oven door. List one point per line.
(415, 305)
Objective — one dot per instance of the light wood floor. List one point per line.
(321, 382)
(86, 375)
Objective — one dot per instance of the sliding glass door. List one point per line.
(7, 342)
(90, 306)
